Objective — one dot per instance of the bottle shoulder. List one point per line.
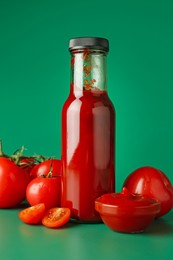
(89, 101)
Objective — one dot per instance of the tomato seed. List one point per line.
(55, 215)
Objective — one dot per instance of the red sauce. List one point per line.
(88, 128)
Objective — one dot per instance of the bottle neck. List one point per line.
(88, 72)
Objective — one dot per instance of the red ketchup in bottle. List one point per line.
(88, 131)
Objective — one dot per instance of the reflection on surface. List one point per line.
(101, 131)
(161, 226)
(73, 126)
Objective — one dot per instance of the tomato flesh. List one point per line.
(56, 217)
(32, 215)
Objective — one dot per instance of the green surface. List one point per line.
(82, 241)
(34, 83)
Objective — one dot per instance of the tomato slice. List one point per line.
(56, 217)
(32, 215)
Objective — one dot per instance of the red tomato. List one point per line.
(56, 217)
(32, 215)
(27, 163)
(44, 190)
(44, 168)
(151, 182)
(13, 183)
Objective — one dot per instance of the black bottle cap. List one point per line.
(89, 42)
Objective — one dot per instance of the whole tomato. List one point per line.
(27, 163)
(43, 168)
(13, 183)
(152, 183)
(45, 190)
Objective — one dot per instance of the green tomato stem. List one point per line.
(49, 175)
(1, 152)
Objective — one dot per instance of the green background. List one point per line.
(35, 74)
(34, 83)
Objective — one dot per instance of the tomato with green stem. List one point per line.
(45, 189)
(56, 217)
(32, 215)
(13, 183)
(27, 163)
(43, 168)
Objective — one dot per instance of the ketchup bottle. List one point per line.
(88, 131)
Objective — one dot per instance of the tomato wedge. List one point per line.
(32, 215)
(56, 217)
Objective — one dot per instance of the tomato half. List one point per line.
(13, 183)
(56, 217)
(32, 215)
(43, 168)
(44, 190)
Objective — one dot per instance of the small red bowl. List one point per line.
(126, 212)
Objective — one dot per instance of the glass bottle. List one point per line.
(88, 131)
